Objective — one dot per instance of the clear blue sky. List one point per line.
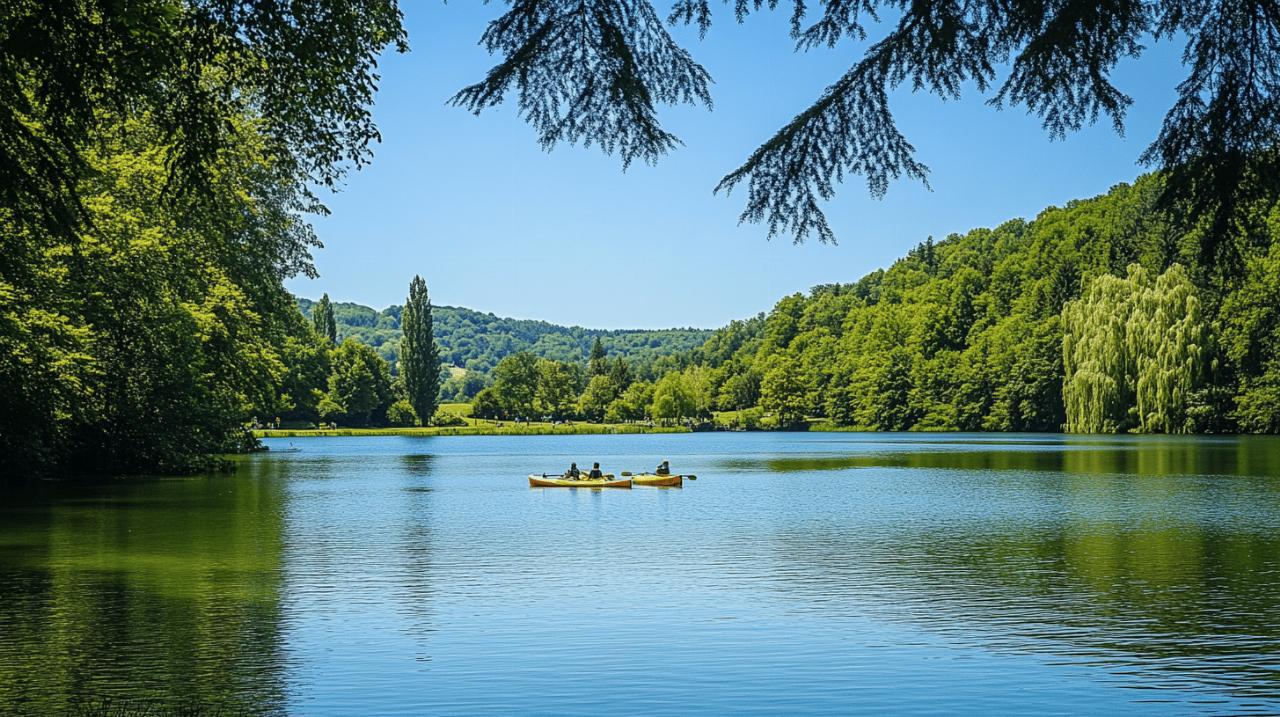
(495, 224)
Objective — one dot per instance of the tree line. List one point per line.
(477, 341)
(1096, 317)
(1100, 316)
(349, 384)
(526, 387)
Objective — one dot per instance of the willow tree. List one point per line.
(1167, 339)
(419, 358)
(594, 71)
(1133, 351)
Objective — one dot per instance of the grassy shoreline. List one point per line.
(477, 429)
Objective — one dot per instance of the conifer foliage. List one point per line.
(591, 71)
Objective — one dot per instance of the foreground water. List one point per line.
(799, 573)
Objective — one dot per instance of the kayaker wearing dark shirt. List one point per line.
(573, 472)
(664, 469)
(595, 472)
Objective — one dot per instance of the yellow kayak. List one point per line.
(607, 482)
(669, 481)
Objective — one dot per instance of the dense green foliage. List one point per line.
(478, 341)
(69, 70)
(1097, 316)
(156, 159)
(1134, 352)
(359, 387)
(144, 342)
(419, 358)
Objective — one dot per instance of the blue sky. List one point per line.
(493, 223)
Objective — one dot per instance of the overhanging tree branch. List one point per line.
(599, 83)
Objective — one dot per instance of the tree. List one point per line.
(322, 318)
(620, 373)
(419, 357)
(632, 405)
(1134, 349)
(672, 399)
(515, 384)
(68, 70)
(487, 405)
(739, 391)
(782, 392)
(401, 413)
(306, 361)
(597, 363)
(144, 342)
(463, 386)
(360, 384)
(592, 71)
(596, 398)
(558, 386)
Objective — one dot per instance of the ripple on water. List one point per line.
(801, 573)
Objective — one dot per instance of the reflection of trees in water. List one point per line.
(415, 589)
(1140, 455)
(1179, 605)
(159, 593)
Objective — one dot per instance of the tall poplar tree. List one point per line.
(597, 364)
(322, 317)
(419, 355)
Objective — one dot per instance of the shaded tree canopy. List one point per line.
(592, 71)
(307, 68)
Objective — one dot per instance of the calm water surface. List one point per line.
(801, 573)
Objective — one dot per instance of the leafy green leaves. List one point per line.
(69, 70)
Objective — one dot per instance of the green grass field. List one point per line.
(478, 427)
(456, 409)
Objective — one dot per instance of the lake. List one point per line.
(801, 573)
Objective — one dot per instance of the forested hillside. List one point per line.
(478, 341)
(1094, 317)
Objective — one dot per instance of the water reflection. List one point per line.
(1168, 581)
(161, 595)
(831, 574)
(1130, 455)
(415, 590)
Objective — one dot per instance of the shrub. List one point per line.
(401, 413)
(447, 419)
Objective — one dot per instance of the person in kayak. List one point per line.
(664, 469)
(573, 473)
(595, 473)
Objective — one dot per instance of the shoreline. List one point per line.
(536, 429)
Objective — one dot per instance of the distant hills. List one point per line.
(478, 341)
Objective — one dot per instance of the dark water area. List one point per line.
(801, 573)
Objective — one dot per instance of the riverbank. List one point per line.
(479, 428)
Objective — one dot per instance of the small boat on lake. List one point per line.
(608, 481)
(667, 481)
